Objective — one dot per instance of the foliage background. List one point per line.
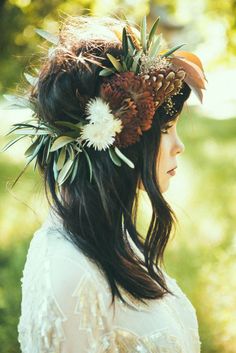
(201, 255)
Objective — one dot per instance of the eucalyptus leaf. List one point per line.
(124, 42)
(131, 46)
(55, 170)
(155, 47)
(144, 34)
(89, 165)
(21, 173)
(64, 172)
(33, 150)
(71, 153)
(36, 162)
(115, 63)
(61, 159)
(46, 152)
(35, 132)
(76, 127)
(114, 157)
(60, 142)
(32, 147)
(20, 125)
(129, 62)
(31, 79)
(136, 59)
(77, 148)
(18, 102)
(172, 50)
(75, 169)
(11, 143)
(48, 36)
(124, 66)
(106, 72)
(124, 158)
(152, 32)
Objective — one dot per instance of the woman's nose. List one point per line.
(179, 146)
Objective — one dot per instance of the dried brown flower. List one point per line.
(131, 100)
(165, 83)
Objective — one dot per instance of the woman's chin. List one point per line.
(164, 186)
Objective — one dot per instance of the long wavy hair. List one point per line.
(99, 215)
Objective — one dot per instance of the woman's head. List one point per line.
(70, 78)
(100, 212)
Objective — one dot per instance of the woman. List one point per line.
(106, 107)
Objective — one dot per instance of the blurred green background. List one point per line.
(201, 255)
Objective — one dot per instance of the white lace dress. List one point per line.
(65, 306)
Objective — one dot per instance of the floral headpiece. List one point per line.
(138, 82)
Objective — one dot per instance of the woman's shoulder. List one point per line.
(51, 249)
(62, 291)
(56, 242)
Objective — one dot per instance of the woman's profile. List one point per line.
(106, 104)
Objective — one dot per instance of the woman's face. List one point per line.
(170, 147)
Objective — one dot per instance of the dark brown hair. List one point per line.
(97, 215)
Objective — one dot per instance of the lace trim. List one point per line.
(43, 331)
(124, 341)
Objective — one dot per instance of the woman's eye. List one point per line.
(165, 129)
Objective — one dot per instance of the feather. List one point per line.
(190, 57)
(193, 71)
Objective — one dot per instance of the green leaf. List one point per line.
(35, 132)
(89, 165)
(46, 152)
(124, 158)
(55, 169)
(60, 142)
(31, 79)
(75, 169)
(106, 72)
(77, 148)
(36, 162)
(71, 152)
(114, 157)
(32, 147)
(152, 32)
(115, 63)
(144, 34)
(33, 150)
(48, 36)
(76, 127)
(155, 47)
(11, 143)
(169, 52)
(18, 102)
(21, 173)
(21, 125)
(61, 159)
(134, 66)
(124, 42)
(65, 171)
(131, 46)
(129, 62)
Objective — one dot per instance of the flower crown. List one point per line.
(134, 86)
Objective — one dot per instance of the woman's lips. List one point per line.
(172, 172)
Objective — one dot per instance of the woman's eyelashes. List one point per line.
(165, 129)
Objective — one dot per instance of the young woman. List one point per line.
(106, 107)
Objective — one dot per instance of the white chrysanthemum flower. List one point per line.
(98, 111)
(101, 135)
(116, 125)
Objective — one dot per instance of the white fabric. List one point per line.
(66, 308)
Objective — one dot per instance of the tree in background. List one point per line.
(19, 18)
